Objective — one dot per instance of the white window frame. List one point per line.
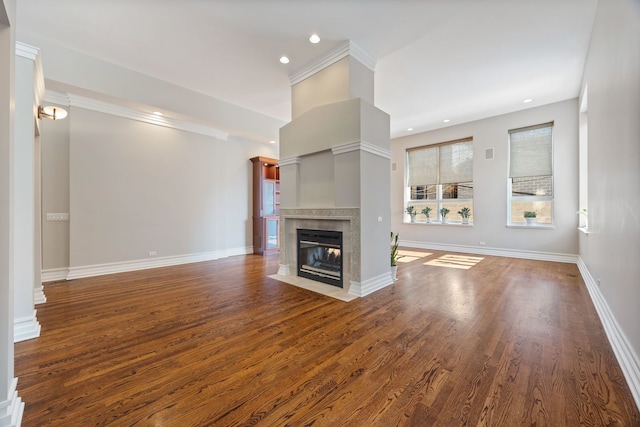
(439, 201)
(511, 198)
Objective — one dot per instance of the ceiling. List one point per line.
(459, 60)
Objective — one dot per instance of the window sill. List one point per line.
(585, 230)
(456, 224)
(533, 226)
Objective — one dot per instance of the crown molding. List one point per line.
(27, 51)
(32, 53)
(347, 48)
(289, 161)
(54, 97)
(362, 146)
(73, 100)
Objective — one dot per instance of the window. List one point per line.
(440, 176)
(530, 182)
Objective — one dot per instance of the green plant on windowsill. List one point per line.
(464, 214)
(426, 211)
(411, 210)
(444, 212)
(530, 217)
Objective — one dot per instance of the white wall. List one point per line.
(55, 191)
(135, 187)
(490, 184)
(612, 251)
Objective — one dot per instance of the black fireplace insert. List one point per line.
(320, 256)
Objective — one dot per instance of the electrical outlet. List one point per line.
(57, 216)
(153, 253)
(483, 243)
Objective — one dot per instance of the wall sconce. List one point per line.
(51, 112)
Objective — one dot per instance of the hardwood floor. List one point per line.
(471, 340)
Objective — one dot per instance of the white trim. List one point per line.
(347, 48)
(27, 51)
(362, 146)
(12, 409)
(70, 99)
(289, 161)
(26, 328)
(54, 274)
(361, 289)
(38, 295)
(363, 56)
(482, 250)
(622, 348)
(143, 264)
(33, 53)
(284, 270)
(54, 97)
(141, 116)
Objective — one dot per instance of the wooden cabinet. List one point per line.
(266, 205)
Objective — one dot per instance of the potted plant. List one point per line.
(411, 210)
(394, 255)
(464, 214)
(444, 212)
(530, 217)
(426, 211)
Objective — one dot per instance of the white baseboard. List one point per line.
(483, 250)
(26, 328)
(54, 274)
(627, 358)
(368, 286)
(38, 295)
(12, 409)
(284, 270)
(143, 264)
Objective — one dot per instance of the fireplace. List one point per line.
(320, 256)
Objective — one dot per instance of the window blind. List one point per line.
(531, 151)
(423, 166)
(456, 163)
(446, 163)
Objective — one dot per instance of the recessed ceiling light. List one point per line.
(528, 100)
(314, 38)
(157, 113)
(409, 129)
(284, 60)
(446, 121)
(272, 142)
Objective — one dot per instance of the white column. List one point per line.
(26, 324)
(11, 407)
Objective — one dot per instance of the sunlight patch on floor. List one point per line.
(455, 261)
(408, 256)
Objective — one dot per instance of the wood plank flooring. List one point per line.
(456, 341)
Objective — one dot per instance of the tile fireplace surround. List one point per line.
(346, 220)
